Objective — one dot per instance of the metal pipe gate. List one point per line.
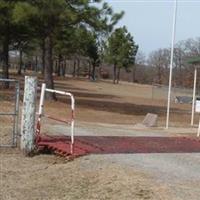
(41, 112)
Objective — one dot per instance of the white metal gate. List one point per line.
(41, 113)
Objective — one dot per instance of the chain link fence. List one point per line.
(9, 112)
(160, 92)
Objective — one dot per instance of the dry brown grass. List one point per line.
(46, 177)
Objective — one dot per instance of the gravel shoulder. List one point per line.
(117, 176)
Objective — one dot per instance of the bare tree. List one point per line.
(160, 61)
(139, 60)
(184, 50)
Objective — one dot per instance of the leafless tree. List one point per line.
(139, 61)
(160, 61)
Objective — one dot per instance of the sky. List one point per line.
(150, 21)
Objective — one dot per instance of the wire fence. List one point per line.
(161, 92)
(9, 109)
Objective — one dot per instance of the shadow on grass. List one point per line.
(117, 107)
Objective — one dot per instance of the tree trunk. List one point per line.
(78, 67)
(36, 63)
(48, 72)
(59, 64)
(118, 75)
(114, 73)
(64, 65)
(5, 59)
(180, 75)
(159, 75)
(89, 69)
(43, 56)
(55, 68)
(74, 69)
(93, 71)
(134, 73)
(20, 62)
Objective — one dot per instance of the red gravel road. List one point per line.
(118, 145)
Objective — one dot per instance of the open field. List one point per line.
(107, 110)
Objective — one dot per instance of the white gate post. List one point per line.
(194, 96)
(28, 115)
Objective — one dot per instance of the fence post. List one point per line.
(28, 115)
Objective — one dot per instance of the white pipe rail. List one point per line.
(41, 106)
(198, 131)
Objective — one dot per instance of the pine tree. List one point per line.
(120, 51)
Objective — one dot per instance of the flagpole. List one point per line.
(171, 62)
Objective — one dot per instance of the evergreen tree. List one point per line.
(120, 51)
(50, 16)
(7, 30)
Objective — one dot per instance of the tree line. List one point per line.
(159, 61)
(56, 30)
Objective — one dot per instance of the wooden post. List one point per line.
(28, 115)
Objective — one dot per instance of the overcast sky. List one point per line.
(150, 21)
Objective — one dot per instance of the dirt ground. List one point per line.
(102, 109)
(125, 103)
